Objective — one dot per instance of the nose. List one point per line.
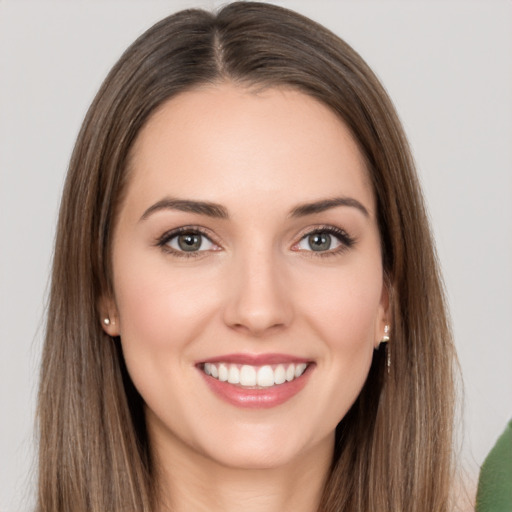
(258, 299)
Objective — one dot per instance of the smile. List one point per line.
(256, 382)
(254, 376)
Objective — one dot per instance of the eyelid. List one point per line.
(346, 241)
(163, 240)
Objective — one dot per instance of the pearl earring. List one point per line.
(385, 338)
(106, 321)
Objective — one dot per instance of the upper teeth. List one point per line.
(247, 375)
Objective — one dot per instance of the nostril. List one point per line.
(257, 327)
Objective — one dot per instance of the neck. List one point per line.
(191, 482)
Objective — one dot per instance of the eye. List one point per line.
(186, 240)
(325, 240)
(319, 242)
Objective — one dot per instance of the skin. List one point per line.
(256, 288)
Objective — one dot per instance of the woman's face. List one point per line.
(247, 275)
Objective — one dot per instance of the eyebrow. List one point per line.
(220, 212)
(184, 205)
(326, 204)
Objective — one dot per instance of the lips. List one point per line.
(256, 381)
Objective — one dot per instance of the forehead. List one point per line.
(228, 144)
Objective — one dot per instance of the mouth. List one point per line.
(256, 381)
(254, 377)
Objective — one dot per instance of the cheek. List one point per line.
(345, 306)
(162, 310)
(159, 306)
(343, 309)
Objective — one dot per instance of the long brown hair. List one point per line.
(394, 447)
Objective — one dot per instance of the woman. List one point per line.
(245, 306)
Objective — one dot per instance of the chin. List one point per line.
(260, 459)
(258, 450)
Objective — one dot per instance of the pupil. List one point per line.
(189, 242)
(320, 242)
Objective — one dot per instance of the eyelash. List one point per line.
(346, 241)
(342, 236)
(164, 240)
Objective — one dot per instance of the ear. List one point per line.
(109, 316)
(383, 314)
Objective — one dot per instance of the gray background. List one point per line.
(448, 67)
